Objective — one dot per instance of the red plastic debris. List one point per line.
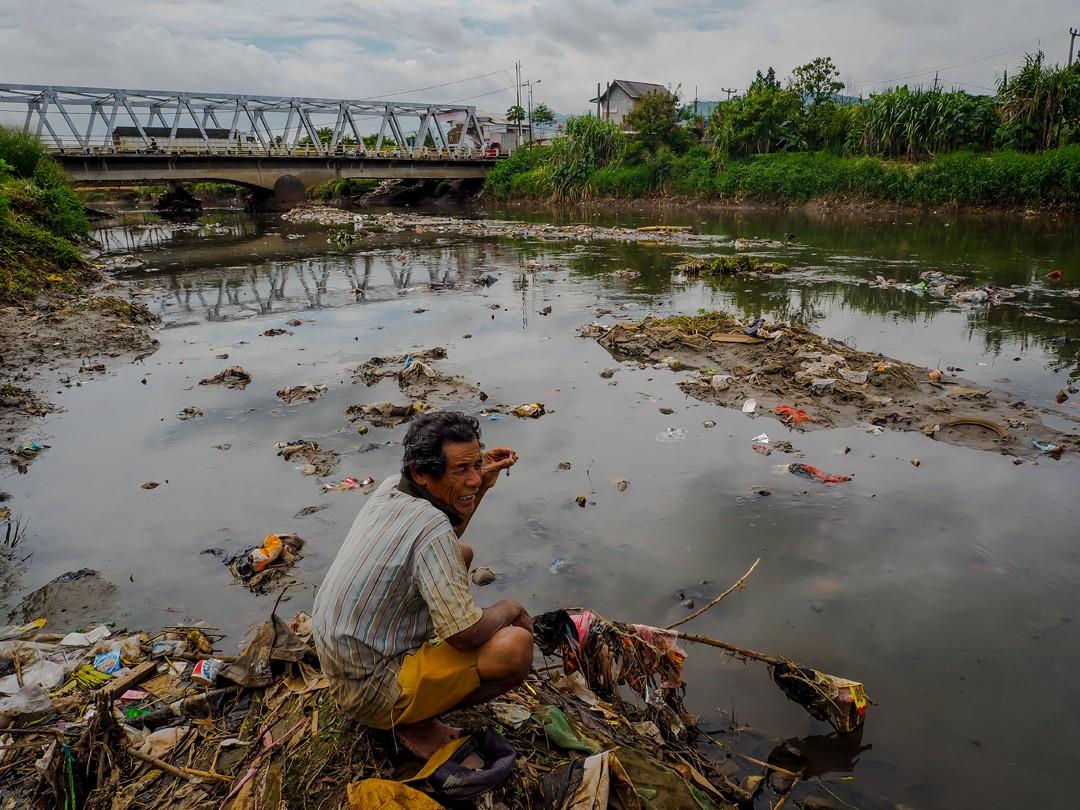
(793, 415)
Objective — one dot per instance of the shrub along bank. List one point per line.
(40, 216)
(1007, 178)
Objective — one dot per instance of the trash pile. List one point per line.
(259, 567)
(947, 286)
(811, 381)
(106, 718)
(420, 224)
(418, 377)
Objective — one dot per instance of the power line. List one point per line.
(969, 60)
(434, 86)
(481, 95)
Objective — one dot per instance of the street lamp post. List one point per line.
(529, 83)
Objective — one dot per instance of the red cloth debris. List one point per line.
(796, 416)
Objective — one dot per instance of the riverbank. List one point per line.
(1015, 182)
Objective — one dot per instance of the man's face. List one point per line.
(459, 484)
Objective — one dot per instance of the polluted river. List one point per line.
(943, 574)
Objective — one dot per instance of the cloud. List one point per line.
(360, 48)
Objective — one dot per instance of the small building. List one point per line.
(621, 96)
(496, 130)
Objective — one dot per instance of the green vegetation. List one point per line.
(347, 187)
(40, 215)
(798, 140)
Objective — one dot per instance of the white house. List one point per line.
(621, 96)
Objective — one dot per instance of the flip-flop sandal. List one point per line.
(468, 766)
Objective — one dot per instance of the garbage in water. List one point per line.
(347, 484)
(190, 412)
(720, 382)
(206, 670)
(1047, 448)
(274, 332)
(296, 393)
(556, 565)
(384, 414)
(749, 406)
(151, 485)
(622, 485)
(760, 444)
(530, 410)
(232, 377)
(814, 474)
(607, 373)
(672, 434)
(260, 566)
(581, 501)
(314, 460)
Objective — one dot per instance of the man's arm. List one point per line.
(495, 461)
(506, 613)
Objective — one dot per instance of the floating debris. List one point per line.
(233, 377)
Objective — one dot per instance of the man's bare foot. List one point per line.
(426, 737)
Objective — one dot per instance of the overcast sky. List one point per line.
(357, 49)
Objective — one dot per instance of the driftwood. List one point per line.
(738, 584)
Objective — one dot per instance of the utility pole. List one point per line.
(598, 100)
(517, 88)
(729, 91)
(1073, 34)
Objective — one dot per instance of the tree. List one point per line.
(817, 81)
(516, 114)
(542, 116)
(766, 119)
(655, 119)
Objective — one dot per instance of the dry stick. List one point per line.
(161, 765)
(738, 584)
(784, 798)
(742, 652)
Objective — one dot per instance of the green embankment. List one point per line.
(40, 216)
(1006, 178)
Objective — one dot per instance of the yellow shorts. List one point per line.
(433, 680)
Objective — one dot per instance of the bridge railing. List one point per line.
(256, 151)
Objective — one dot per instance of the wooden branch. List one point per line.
(741, 652)
(738, 584)
(162, 765)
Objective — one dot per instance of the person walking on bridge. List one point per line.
(394, 622)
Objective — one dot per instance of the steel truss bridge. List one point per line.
(268, 143)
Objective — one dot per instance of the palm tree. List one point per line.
(516, 114)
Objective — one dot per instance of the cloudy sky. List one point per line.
(364, 49)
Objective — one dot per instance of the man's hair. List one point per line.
(427, 435)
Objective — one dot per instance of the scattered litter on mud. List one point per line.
(814, 382)
(297, 393)
(312, 460)
(23, 400)
(24, 453)
(232, 377)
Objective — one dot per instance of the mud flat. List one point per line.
(825, 383)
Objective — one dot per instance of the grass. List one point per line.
(40, 216)
(1004, 178)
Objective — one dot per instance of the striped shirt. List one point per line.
(398, 580)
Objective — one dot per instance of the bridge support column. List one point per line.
(177, 203)
(288, 192)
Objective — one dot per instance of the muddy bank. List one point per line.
(66, 340)
(812, 382)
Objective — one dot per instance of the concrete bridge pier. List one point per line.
(288, 192)
(176, 202)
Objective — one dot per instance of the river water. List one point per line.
(950, 589)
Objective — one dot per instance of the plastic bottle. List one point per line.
(266, 554)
